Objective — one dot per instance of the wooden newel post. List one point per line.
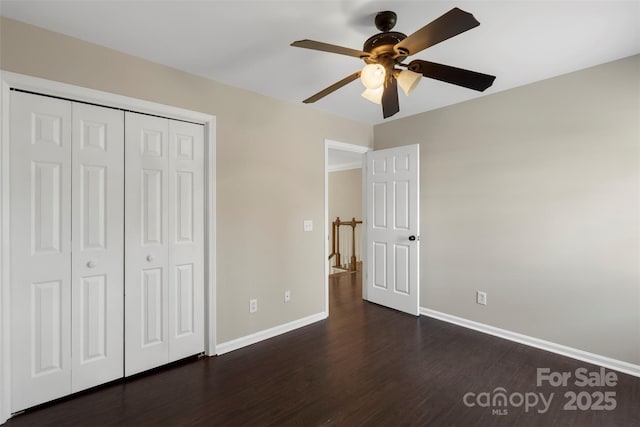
(335, 237)
(336, 226)
(353, 266)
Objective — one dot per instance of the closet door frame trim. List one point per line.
(8, 81)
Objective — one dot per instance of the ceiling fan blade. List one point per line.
(457, 76)
(390, 104)
(331, 48)
(450, 24)
(332, 88)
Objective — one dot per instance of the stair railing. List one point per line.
(336, 247)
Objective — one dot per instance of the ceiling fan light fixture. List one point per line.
(373, 95)
(385, 51)
(408, 80)
(372, 76)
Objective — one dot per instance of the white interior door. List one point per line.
(146, 242)
(186, 239)
(97, 250)
(164, 251)
(40, 256)
(392, 228)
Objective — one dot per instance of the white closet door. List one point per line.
(97, 260)
(186, 240)
(146, 242)
(40, 201)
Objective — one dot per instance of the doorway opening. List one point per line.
(344, 214)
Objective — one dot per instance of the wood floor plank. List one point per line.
(365, 366)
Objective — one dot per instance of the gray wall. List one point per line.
(532, 195)
(270, 170)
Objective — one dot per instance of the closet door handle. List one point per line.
(91, 264)
(150, 258)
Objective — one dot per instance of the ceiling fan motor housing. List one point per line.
(381, 45)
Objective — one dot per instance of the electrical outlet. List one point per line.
(253, 305)
(287, 296)
(481, 298)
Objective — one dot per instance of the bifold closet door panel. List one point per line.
(97, 262)
(146, 242)
(40, 212)
(107, 245)
(186, 239)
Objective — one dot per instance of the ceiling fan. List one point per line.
(385, 52)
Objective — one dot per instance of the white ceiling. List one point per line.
(246, 43)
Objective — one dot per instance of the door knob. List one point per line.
(91, 264)
(412, 237)
(150, 258)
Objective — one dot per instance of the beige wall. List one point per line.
(533, 195)
(345, 195)
(345, 201)
(270, 170)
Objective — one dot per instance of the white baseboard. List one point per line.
(237, 343)
(596, 359)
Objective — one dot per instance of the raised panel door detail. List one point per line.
(184, 303)
(46, 129)
(46, 207)
(46, 334)
(94, 318)
(379, 219)
(379, 166)
(152, 212)
(152, 307)
(93, 135)
(401, 279)
(401, 163)
(401, 205)
(151, 143)
(184, 207)
(93, 206)
(184, 147)
(380, 265)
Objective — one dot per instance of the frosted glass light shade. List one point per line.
(408, 80)
(373, 95)
(372, 76)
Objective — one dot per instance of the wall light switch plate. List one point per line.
(307, 225)
(481, 298)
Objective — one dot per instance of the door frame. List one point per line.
(10, 80)
(361, 149)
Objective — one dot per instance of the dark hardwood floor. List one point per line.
(364, 366)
